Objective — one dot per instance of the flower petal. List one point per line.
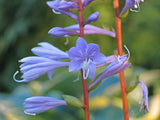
(49, 51)
(102, 60)
(82, 45)
(92, 50)
(75, 65)
(92, 71)
(75, 53)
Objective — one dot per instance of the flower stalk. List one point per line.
(84, 82)
(120, 52)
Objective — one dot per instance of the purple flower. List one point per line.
(129, 4)
(39, 104)
(74, 30)
(115, 67)
(85, 56)
(63, 6)
(144, 102)
(46, 61)
(92, 18)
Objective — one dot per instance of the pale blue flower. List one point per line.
(33, 67)
(39, 104)
(63, 6)
(85, 56)
(117, 66)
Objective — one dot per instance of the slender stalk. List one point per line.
(84, 82)
(120, 52)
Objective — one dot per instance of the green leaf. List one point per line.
(131, 87)
(73, 101)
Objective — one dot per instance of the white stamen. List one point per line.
(118, 58)
(142, 0)
(55, 11)
(67, 41)
(127, 51)
(29, 113)
(14, 77)
(85, 67)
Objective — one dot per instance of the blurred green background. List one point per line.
(24, 23)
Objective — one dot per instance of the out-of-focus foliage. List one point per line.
(24, 23)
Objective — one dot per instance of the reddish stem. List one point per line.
(84, 82)
(120, 52)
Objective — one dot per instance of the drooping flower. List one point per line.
(74, 30)
(46, 61)
(63, 6)
(144, 101)
(39, 104)
(115, 67)
(85, 56)
(129, 4)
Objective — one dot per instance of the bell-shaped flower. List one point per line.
(74, 30)
(35, 66)
(117, 66)
(129, 4)
(46, 61)
(63, 6)
(92, 18)
(144, 101)
(39, 104)
(85, 56)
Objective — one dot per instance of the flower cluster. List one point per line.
(83, 56)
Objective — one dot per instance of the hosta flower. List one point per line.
(85, 56)
(129, 4)
(144, 101)
(74, 30)
(115, 67)
(46, 61)
(39, 104)
(63, 6)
